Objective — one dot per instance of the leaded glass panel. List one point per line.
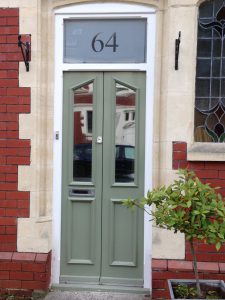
(210, 73)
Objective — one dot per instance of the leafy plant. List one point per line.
(184, 291)
(212, 295)
(188, 206)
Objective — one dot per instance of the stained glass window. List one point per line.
(210, 73)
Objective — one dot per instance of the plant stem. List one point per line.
(199, 292)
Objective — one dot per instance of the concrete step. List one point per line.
(74, 295)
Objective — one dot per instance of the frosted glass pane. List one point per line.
(105, 41)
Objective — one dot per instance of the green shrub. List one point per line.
(190, 207)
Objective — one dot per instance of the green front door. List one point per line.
(102, 164)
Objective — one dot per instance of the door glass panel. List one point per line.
(83, 123)
(124, 134)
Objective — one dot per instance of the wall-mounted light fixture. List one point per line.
(177, 50)
(25, 50)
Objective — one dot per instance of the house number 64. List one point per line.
(98, 44)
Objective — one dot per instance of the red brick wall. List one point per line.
(164, 269)
(17, 270)
(27, 271)
(211, 263)
(207, 171)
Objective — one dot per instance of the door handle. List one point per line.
(81, 192)
(99, 140)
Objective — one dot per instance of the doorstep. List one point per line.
(85, 291)
(82, 295)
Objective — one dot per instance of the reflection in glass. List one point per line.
(82, 149)
(124, 134)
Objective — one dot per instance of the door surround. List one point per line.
(101, 10)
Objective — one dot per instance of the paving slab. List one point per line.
(65, 295)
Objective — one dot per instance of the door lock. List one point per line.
(99, 140)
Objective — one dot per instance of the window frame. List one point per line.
(202, 151)
(209, 92)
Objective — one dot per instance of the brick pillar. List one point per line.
(17, 270)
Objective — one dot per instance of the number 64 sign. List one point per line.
(98, 44)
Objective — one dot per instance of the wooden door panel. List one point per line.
(122, 230)
(81, 178)
(102, 241)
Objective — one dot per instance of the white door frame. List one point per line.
(101, 10)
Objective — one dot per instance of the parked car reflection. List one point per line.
(82, 162)
(124, 162)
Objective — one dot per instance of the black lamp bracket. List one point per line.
(25, 50)
(177, 50)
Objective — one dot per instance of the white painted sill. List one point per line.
(206, 152)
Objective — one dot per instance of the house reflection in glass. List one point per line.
(124, 133)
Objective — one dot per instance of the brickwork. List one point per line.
(26, 271)
(13, 151)
(211, 263)
(207, 171)
(17, 270)
(178, 269)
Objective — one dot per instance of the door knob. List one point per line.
(99, 140)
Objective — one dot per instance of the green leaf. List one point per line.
(222, 138)
(189, 203)
(221, 235)
(218, 246)
(212, 134)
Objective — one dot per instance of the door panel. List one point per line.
(122, 248)
(81, 200)
(103, 163)
(122, 233)
(82, 252)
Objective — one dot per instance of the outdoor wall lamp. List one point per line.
(177, 50)
(25, 50)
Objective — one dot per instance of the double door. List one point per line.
(102, 164)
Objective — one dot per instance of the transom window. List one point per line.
(105, 40)
(210, 73)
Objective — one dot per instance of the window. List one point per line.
(105, 40)
(210, 73)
